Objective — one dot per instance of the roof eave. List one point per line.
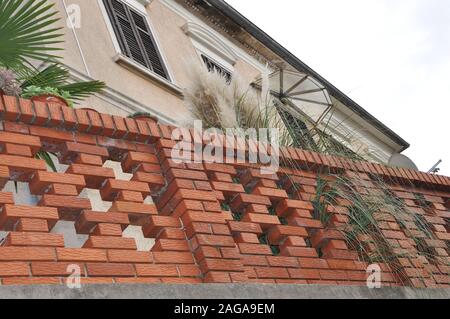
(295, 62)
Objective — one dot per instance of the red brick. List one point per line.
(26, 254)
(87, 159)
(135, 159)
(265, 221)
(130, 196)
(156, 181)
(51, 135)
(341, 264)
(168, 257)
(285, 207)
(84, 254)
(271, 272)
(243, 200)
(42, 114)
(110, 242)
(299, 252)
(189, 270)
(71, 150)
(221, 229)
(133, 131)
(280, 261)
(63, 189)
(42, 180)
(304, 273)
(137, 213)
(252, 249)
(171, 245)
(31, 281)
(70, 118)
(34, 239)
(22, 164)
(278, 233)
(237, 227)
(157, 223)
(6, 198)
(94, 175)
(228, 188)
(125, 256)
(19, 150)
(56, 116)
(16, 128)
(96, 126)
(246, 238)
(207, 265)
(89, 219)
(274, 194)
(112, 187)
(12, 111)
(97, 281)
(321, 237)
(53, 269)
(108, 230)
(10, 214)
(192, 216)
(32, 225)
(314, 263)
(68, 207)
(106, 270)
(214, 240)
(27, 111)
(333, 275)
(217, 277)
(308, 223)
(156, 270)
(293, 241)
(14, 269)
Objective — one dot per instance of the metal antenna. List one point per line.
(435, 169)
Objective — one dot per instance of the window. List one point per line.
(215, 67)
(297, 128)
(134, 36)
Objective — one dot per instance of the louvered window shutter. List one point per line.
(134, 36)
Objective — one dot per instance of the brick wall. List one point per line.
(212, 223)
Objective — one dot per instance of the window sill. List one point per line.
(136, 67)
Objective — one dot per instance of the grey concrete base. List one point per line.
(216, 291)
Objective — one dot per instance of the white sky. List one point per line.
(392, 57)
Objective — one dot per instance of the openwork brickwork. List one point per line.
(211, 223)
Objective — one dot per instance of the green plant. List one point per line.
(32, 91)
(137, 114)
(27, 32)
(45, 156)
(57, 77)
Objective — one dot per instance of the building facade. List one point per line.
(143, 50)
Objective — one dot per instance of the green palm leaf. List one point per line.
(27, 32)
(80, 90)
(52, 76)
(57, 76)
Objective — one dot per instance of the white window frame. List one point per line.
(121, 58)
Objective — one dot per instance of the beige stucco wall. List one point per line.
(96, 43)
(91, 53)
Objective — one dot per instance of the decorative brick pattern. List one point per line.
(212, 223)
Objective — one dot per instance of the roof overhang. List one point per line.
(246, 25)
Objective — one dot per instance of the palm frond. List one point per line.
(81, 90)
(27, 32)
(52, 76)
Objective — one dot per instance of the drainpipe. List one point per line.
(76, 39)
